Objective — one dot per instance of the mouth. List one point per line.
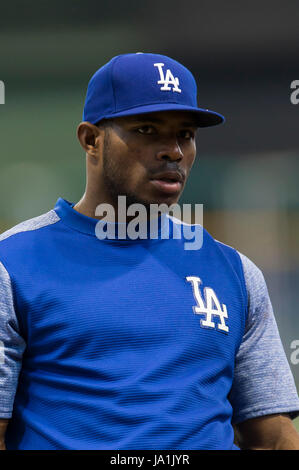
(169, 182)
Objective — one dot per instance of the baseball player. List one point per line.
(137, 343)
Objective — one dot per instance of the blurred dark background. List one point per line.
(244, 56)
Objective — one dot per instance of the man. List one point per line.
(121, 343)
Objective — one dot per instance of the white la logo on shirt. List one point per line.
(212, 307)
(167, 80)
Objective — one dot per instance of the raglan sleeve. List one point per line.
(263, 383)
(12, 346)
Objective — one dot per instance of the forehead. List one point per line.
(184, 118)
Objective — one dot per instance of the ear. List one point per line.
(90, 137)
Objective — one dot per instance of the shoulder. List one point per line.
(255, 284)
(255, 287)
(22, 240)
(257, 291)
(228, 251)
(252, 273)
(30, 225)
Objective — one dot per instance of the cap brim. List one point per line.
(205, 117)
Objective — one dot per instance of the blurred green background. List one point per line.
(244, 58)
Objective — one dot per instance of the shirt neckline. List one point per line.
(91, 226)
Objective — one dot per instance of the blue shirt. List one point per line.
(132, 344)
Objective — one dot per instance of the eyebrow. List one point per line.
(160, 121)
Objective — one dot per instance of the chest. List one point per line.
(139, 302)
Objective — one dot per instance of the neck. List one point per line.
(87, 206)
(113, 211)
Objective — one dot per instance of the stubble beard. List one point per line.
(115, 180)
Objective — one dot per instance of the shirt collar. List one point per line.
(94, 227)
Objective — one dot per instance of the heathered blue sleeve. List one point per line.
(12, 346)
(263, 382)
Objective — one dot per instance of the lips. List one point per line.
(173, 176)
(169, 182)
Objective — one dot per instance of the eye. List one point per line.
(187, 134)
(146, 129)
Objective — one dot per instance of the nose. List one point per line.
(170, 150)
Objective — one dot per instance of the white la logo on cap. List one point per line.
(167, 80)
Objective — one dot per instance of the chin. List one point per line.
(148, 199)
(161, 200)
(168, 201)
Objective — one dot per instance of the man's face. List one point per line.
(148, 157)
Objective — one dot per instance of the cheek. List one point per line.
(125, 156)
(192, 160)
(190, 157)
(136, 162)
(132, 168)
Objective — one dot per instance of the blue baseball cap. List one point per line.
(139, 83)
